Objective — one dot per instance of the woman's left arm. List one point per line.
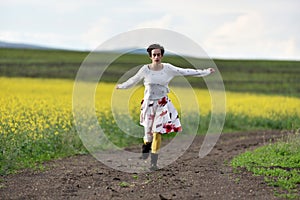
(191, 72)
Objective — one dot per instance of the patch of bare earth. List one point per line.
(190, 177)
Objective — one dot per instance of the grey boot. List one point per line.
(154, 158)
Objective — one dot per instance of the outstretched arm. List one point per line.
(205, 72)
(177, 71)
(131, 81)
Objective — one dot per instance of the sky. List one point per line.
(248, 29)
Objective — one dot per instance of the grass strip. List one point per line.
(278, 163)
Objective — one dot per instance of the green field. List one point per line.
(258, 76)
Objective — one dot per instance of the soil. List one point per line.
(189, 177)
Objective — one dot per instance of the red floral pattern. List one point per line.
(171, 128)
(159, 116)
(163, 101)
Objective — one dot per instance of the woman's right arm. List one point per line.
(133, 80)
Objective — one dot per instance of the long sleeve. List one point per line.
(133, 80)
(176, 71)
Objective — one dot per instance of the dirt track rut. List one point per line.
(190, 177)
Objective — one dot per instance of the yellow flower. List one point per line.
(37, 107)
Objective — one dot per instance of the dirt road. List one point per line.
(190, 177)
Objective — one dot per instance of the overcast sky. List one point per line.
(266, 29)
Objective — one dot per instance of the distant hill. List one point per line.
(12, 45)
(21, 46)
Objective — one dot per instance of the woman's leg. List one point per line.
(156, 143)
(146, 147)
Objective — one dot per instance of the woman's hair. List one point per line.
(155, 46)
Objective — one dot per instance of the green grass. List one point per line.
(279, 163)
(21, 152)
(25, 152)
(235, 123)
(259, 76)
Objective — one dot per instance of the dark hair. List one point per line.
(155, 46)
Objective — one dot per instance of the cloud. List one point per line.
(97, 33)
(105, 28)
(235, 29)
(49, 39)
(287, 48)
(236, 33)
(251, 35)
(159, 22)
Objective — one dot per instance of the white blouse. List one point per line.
(156, 82)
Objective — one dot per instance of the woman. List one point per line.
(158, 115)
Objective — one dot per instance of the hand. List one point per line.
(212, 70)
(117, 86)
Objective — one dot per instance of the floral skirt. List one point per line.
(159, 116)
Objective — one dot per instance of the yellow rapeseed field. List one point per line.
(35, 106)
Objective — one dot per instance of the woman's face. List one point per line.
(156, 56)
